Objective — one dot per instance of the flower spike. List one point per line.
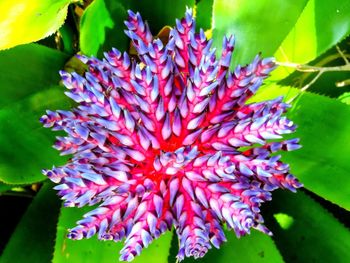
(158, 143)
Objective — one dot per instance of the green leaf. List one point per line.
(204, 10)
(28, 69)
(24, 21)
(311, 235)
(24, 97)
(102, 27)
(322, 164)
(25, 144)
(93, 250)
(86, 250)
(67, 36)
(259, 26)
(162, 13)
(33, 239)
(157, 252)
(254, 248)
(322, 24)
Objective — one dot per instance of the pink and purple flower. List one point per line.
(167, 140)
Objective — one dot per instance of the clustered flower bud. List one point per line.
(168, 140)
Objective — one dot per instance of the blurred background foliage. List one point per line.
(310, 40)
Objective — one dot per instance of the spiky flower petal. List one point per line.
(169, 140)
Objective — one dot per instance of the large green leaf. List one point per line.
(254, 248)
(93, 250)
(25, 21)
(322, 164)
(34, 236)
(304, 231)
(102, 27)
(259, 26)
(322, 24)
(27, 72)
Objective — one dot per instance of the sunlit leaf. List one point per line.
(93, 250)
(259, 26)
(34, 236)
(322, 24)
(313, 235)
(345, 98)
(24, 97)
(25, 21)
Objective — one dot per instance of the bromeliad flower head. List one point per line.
(168, 140)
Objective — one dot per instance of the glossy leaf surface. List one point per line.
(321, 25)
(26, 21)
(259, 26)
